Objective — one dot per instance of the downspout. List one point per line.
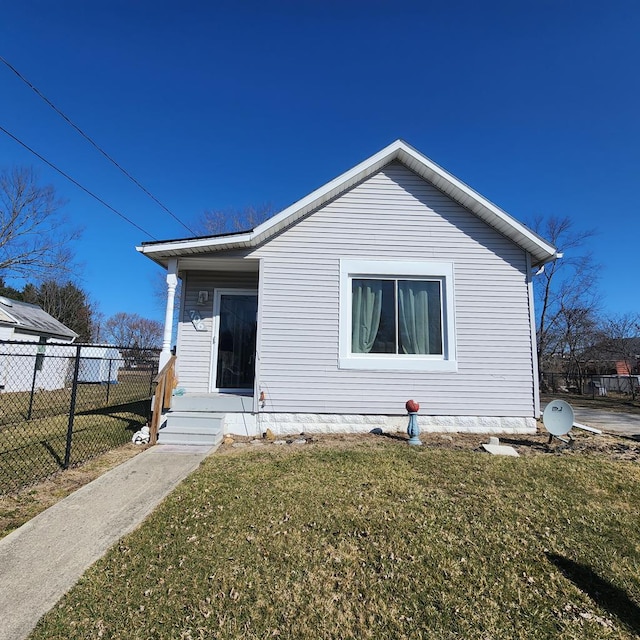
(534, 345)
(257, 389)
(172, 283)
(532, 319)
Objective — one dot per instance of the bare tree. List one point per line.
(131, 330)
(35, 238)
(566, 292)
(149, 333)
(579, 336)
(622, 344)
(97, 324)
(216, 221)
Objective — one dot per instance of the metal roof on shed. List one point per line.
(33, 319)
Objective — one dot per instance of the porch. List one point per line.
(200, 418)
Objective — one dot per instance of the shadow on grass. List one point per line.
(602, 592)
(391, 436)
(530, 444)
(139, 407)
(53, 453)
(32, 459)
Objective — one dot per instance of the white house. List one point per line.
(394, 281)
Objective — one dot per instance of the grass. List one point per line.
(35, 450)
(14, 407)
(18, 508)
(374, 539)
(106, 416)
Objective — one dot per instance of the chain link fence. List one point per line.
(63, 404)
(591, 384)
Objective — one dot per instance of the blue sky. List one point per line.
(217, 105)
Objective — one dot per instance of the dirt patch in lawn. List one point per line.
(608, 446)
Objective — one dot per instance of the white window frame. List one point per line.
(443, 271)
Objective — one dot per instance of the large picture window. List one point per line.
(397, 315)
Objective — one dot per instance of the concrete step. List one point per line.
(190, 439)
(194, 419)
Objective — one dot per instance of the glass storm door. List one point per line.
(235, 348)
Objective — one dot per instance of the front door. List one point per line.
(234, 351)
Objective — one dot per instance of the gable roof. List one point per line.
(399, 151)
(31, 318)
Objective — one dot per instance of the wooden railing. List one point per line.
(166, 382)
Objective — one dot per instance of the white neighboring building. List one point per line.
(48, 361)
(99, 363)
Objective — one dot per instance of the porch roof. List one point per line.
(399, 151)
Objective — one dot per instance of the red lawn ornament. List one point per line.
(412, 406)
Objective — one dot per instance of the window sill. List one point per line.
(418, 365)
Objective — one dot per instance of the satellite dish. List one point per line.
(558, 417)
(6, 301)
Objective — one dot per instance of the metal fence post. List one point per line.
(109, 381)
(153, 375)
(72, 409)
(33, 387)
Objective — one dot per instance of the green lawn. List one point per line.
(615, 402)
(106, 416)
(374, 539)
(133, 385)
(33, 451)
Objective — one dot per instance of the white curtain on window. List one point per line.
(365, 314)
(413, 314)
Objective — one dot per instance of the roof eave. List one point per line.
(162, 252)
(540, 250)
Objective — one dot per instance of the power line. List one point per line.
(68, 177)
(94, 144)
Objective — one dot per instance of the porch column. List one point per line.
(172, 283)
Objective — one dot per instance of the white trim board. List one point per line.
(398, 151)
(394, 362)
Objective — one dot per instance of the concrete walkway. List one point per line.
(43, 559)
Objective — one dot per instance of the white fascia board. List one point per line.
(399, 150)
(282, 219)
(434, 173)
(329, 190)
(172, 246)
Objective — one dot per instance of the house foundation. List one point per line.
(247, 424)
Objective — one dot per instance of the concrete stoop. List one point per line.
(198, 419)
(191, 428)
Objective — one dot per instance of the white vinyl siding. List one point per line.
(195, 347)
(394, 215)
